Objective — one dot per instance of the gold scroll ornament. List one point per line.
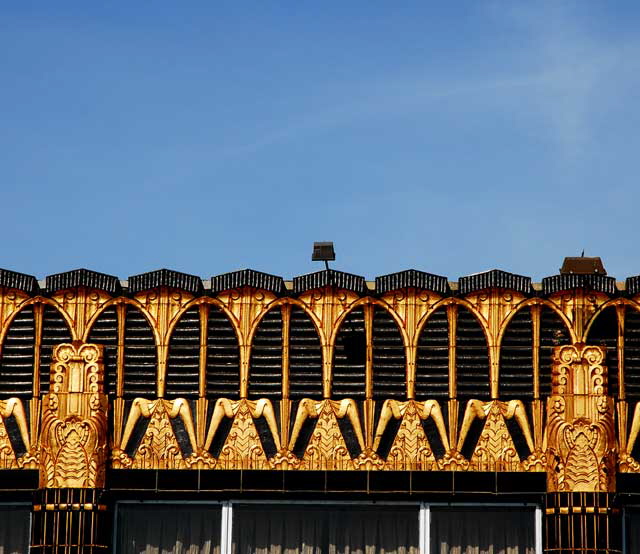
(580, 437)
(73, 441)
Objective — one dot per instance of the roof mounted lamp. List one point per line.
(323, 252)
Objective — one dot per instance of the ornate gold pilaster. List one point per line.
(581, 444)
(73, 452)
(581, 454)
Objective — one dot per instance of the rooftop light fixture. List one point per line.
(323, 252)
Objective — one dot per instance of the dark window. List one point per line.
(486, 529)
(553, 332)
(105, 332)
(223, 356)
(349, 358)
(166, 528)
(432, 368)
(303, 529)
(472, 358)
(16, 366)
(183, 367)
(632, 355)
(389, 359)
(54, 331)
(140, 356)
(516, 357)
(14, 529)
(305, 357)
(265, 369)
(604, 332)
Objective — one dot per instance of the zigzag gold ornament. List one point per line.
(159, 448)
(410, 449)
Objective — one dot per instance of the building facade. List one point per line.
(245, 413)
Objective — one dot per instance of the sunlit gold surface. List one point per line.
(577, 446)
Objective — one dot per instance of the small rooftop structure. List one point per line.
(581, 265)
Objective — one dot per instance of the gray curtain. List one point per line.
(168, 529)
(272, 529)
(482, 531)
(14, 529)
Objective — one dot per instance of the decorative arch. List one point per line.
(103, 328)
(285, 301)
(543, 302)
(459, 302)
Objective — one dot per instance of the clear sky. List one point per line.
(451, 137)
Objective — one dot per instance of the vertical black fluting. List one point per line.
(70, 521)
(585, 522)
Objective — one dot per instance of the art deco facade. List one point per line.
(416, 394)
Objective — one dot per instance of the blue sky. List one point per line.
(213, 136)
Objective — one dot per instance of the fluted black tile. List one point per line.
(412, 278)
(332, 277)
(165, 278)
(83, 278)
(247, 278)
(495, 278)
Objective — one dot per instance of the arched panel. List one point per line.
(265, 369)
(183, 364)
(305, 357)
(516, 358)
(223, 356)
(432, 364)
(16, 365)
(140, 355)
(604, 332)
(349, 358)
(632, 355)
(54, 331)
(553, 332)
(389, 357)
(105, 332)
(472, 358)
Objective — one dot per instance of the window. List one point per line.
(487, 530)
(146, 528)
(15, 522)
(327, 528)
